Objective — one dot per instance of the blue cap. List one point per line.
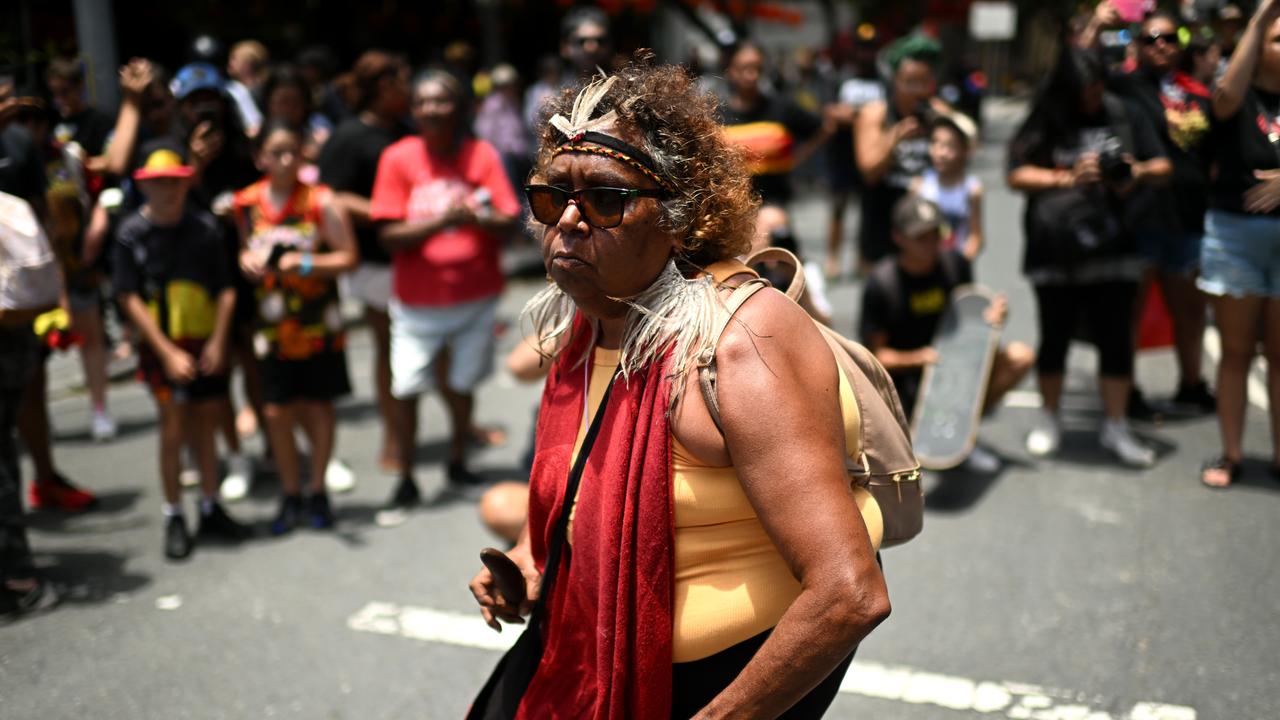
(196, 76)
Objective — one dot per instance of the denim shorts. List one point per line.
(1240, 256)
(1177, 253)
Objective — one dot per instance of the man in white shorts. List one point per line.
(443, 202)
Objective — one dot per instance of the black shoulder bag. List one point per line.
(500, 697)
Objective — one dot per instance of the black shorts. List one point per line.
(321, 377)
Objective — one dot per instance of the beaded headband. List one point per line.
(579, 128)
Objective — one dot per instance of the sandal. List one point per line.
(1224, 464)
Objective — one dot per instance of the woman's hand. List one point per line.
(1265, 196)
(205, 145)
(495, 607)
(906, 129)
(1087, 170)
(135, 78)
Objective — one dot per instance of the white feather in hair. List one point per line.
(675, 313)
(579, 120)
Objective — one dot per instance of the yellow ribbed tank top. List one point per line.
(730, 581)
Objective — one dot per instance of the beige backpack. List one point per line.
(883, 462)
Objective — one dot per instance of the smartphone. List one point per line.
(508, 577)
(1132, 11)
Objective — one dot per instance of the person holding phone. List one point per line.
(1169, 223)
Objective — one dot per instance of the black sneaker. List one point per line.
(407, 494)
(459, 475)
(1139, 409)
(1196, 397)
(217, 524)
(320, 514)
(177, 541)
(289, 516)
(39, 597)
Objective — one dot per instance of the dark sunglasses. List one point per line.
(601, 207)
(582, 40)
(1154, 38)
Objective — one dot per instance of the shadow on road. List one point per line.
(90, 577)
(96, 521)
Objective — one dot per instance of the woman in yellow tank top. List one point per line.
(704, 575)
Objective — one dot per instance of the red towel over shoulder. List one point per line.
(608, 630)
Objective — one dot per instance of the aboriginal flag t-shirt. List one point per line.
(297, 317)
(177, 270)
(768, 134)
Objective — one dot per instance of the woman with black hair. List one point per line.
(1078, 157)
(1169, 224)
(1240, 259)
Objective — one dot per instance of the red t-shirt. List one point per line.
(458, 264)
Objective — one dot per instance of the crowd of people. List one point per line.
(228, 208)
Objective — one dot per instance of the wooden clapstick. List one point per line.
(508, 577)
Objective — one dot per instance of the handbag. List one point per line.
(1074, 225)
(499, 698)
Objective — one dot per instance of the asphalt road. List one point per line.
(1068, 589)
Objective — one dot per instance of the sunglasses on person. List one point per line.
(601, 207)
(1157, 38)
(583, 40)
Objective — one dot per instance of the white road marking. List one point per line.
(1025, 399)
(1257, 387)
(1020, 701)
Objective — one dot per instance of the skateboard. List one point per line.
(949, 409)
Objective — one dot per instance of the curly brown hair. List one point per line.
(713, 207)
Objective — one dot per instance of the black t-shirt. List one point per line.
(349, 163)
(185, 263)
(769, 133)
(21, 165)
(910, 159)
(1243, 143)
(1118, 128)
(90, 128)
(907, 308)
(1179, 109)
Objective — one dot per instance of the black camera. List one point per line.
(1113, 166)
(925, 113)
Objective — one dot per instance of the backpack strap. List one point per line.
(707, 363)
(786, 258)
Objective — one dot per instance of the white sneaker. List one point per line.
(982, 462)
(1117, 437)
(102, 427)
(338, 478)
(235, 485)
(1046, 436)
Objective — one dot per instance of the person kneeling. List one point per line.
(906, 296)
